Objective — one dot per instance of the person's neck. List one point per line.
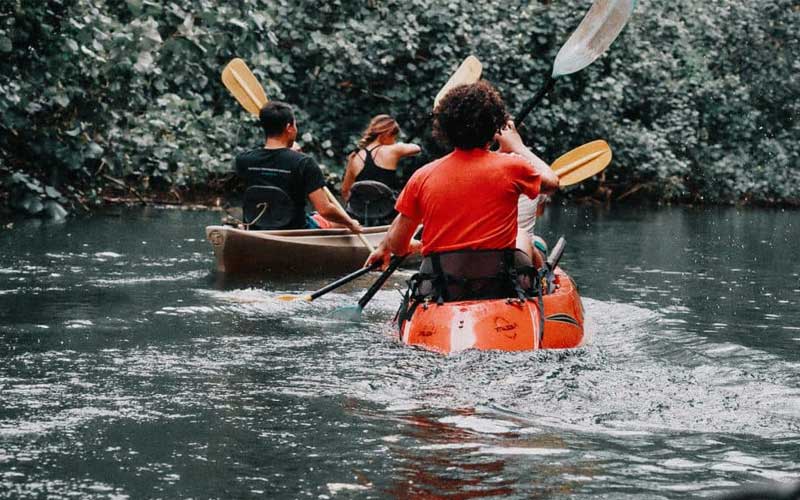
(276, 143)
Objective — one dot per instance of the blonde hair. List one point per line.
(378, 126)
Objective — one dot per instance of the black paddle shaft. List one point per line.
(393, 265)
(342, 281)
(528, 107)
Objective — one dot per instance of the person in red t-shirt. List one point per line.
(467, 200)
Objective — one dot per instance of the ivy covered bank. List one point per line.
(102, 99)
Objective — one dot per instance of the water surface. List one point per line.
(130, 370)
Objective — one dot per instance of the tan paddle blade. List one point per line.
(289, 298)
(598, 29)
(469, 72)
(244, 86)
(582, 162)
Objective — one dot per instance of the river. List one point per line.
(129, 370)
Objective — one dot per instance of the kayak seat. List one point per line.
(372, 203)
(474, 274)
(267, 207)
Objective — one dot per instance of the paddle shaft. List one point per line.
(533, 101)
(393, 265)
(338, 205)
(343, 281)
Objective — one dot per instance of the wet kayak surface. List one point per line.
(129, 370)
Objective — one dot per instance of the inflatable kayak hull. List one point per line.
(290, 252)
(499, 324)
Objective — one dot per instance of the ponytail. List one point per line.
(378, 126)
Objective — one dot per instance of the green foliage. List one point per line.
(697, 99)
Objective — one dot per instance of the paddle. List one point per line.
(595, 33)
(582, 162)
(332, 286)
(245, 87)
(353, 313)
(468, 72)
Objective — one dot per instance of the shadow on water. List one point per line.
(129, 369)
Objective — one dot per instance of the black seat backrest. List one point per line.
(371, 202)
(267, 207)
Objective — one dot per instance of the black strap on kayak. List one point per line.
(439, 280)
(540, 306)
(510, 269)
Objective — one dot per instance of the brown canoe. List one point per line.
(298, 251)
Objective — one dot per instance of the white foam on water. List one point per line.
(78, 323)
(192, 275)
(478, 424)
(502, 450)
(336, 488)
(111, 255)
(450, 446)
(680, 463)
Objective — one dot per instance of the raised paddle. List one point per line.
(468, 72)
(245, 87)
(582, 162)
(595, 33)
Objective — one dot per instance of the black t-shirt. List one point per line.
(296, 173)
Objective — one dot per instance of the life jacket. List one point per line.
(470, 275)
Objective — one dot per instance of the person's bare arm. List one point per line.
(511, 142)
(396, 242)
(350, 175)
(401, 150)
(319, 200)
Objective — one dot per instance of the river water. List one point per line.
(129, 371)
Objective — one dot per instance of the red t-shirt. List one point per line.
(468, 200)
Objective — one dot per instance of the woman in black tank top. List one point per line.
(377, 155)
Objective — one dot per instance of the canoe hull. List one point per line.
(289, 252)
(501, 324)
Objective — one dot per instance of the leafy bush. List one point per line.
(698, 99)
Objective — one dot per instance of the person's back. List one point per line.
(277, 165)
(372, 171)
(293, 172)
(468, 199)
(377, 155)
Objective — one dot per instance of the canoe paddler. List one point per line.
(467, 202)
(278, 164)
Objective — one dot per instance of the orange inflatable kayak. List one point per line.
(499, 324)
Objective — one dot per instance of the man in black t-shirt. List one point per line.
(277, 164)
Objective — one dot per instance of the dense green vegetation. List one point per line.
(697, 98)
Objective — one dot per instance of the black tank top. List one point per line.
(373, 172)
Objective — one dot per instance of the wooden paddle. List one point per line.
(582, 162)
(468, 72)
(595, 33)
(245, 87)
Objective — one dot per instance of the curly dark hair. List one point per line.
(468, 116)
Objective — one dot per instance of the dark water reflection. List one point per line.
(127, 371)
